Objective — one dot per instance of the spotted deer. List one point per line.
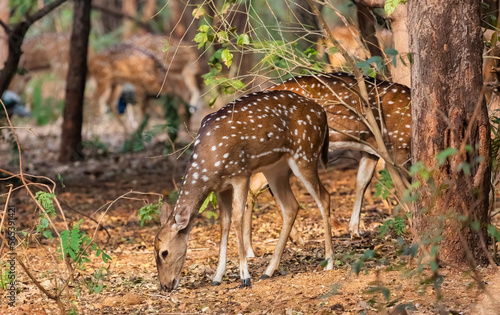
(274, 132)
(338, 94)
(124, 63)
(179, 59)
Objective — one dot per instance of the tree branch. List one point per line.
(121, 14)
(5, 27)
(43, 12)
(371, 3)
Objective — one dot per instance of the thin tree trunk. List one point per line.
(366, 23)
(401, 73)
(4, 37)
(447, 112)
(129, 8)
(16, 36)
(308, 22)
(71, 135)
(148, 10)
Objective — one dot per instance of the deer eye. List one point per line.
(164, 254)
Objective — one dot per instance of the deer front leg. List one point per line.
(278, 180)
(240, 192)
(367, 166)
(224, 200)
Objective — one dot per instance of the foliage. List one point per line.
(384, 184)
(46, 201)
(391, 5)
(4, 276)
(76, 244)
(45, 110)
(94, 283)
(211, 198)
(149, 211)
(398, 224)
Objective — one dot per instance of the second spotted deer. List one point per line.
(338, 94)
(274, 132)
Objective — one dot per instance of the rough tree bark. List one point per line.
(16, 35)
(71, 135)
(448, 111)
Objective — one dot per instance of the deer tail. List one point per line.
(324, 149)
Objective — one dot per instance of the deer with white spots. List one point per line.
(274, 132)
(338, 93)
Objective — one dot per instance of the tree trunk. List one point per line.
(110, 22)
(366, 23)
(308, 22)
(4, 37)
(447, 113)
(399, 20)
(15, 39)
(71, 135)
(129, 7)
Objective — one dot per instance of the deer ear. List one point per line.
(165, 212)
(181, 218)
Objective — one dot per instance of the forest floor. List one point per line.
(387, 283)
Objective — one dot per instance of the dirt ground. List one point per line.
(389, 283)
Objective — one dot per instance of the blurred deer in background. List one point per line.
(274, 132)
(142, 63)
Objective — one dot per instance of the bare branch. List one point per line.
(43, 12)
(121, 14)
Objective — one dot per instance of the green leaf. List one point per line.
(222, 35)
(205, 203)
(391, 51)
(332, 50)
(443, 155)
(391, 5)
(204, 28)
(243, 39)
(47, 234)
(227, 57)
(212, 102)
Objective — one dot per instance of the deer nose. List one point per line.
(164, 287)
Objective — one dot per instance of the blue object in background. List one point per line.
(13, 104)
(126, 97)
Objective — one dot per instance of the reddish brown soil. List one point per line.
(300, 287)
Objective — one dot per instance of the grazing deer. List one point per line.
(274, 132)
(334, 91)
(124, 63)
(177, 57)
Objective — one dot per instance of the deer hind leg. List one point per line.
(310, 178)
(224, 201)
(240, 192)
(279, 180)
(367, 166)
(257, 182)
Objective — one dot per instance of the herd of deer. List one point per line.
(259, 139)
(267, 136)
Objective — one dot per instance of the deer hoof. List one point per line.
(264, 277)
(245, 282)
(215, 283)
